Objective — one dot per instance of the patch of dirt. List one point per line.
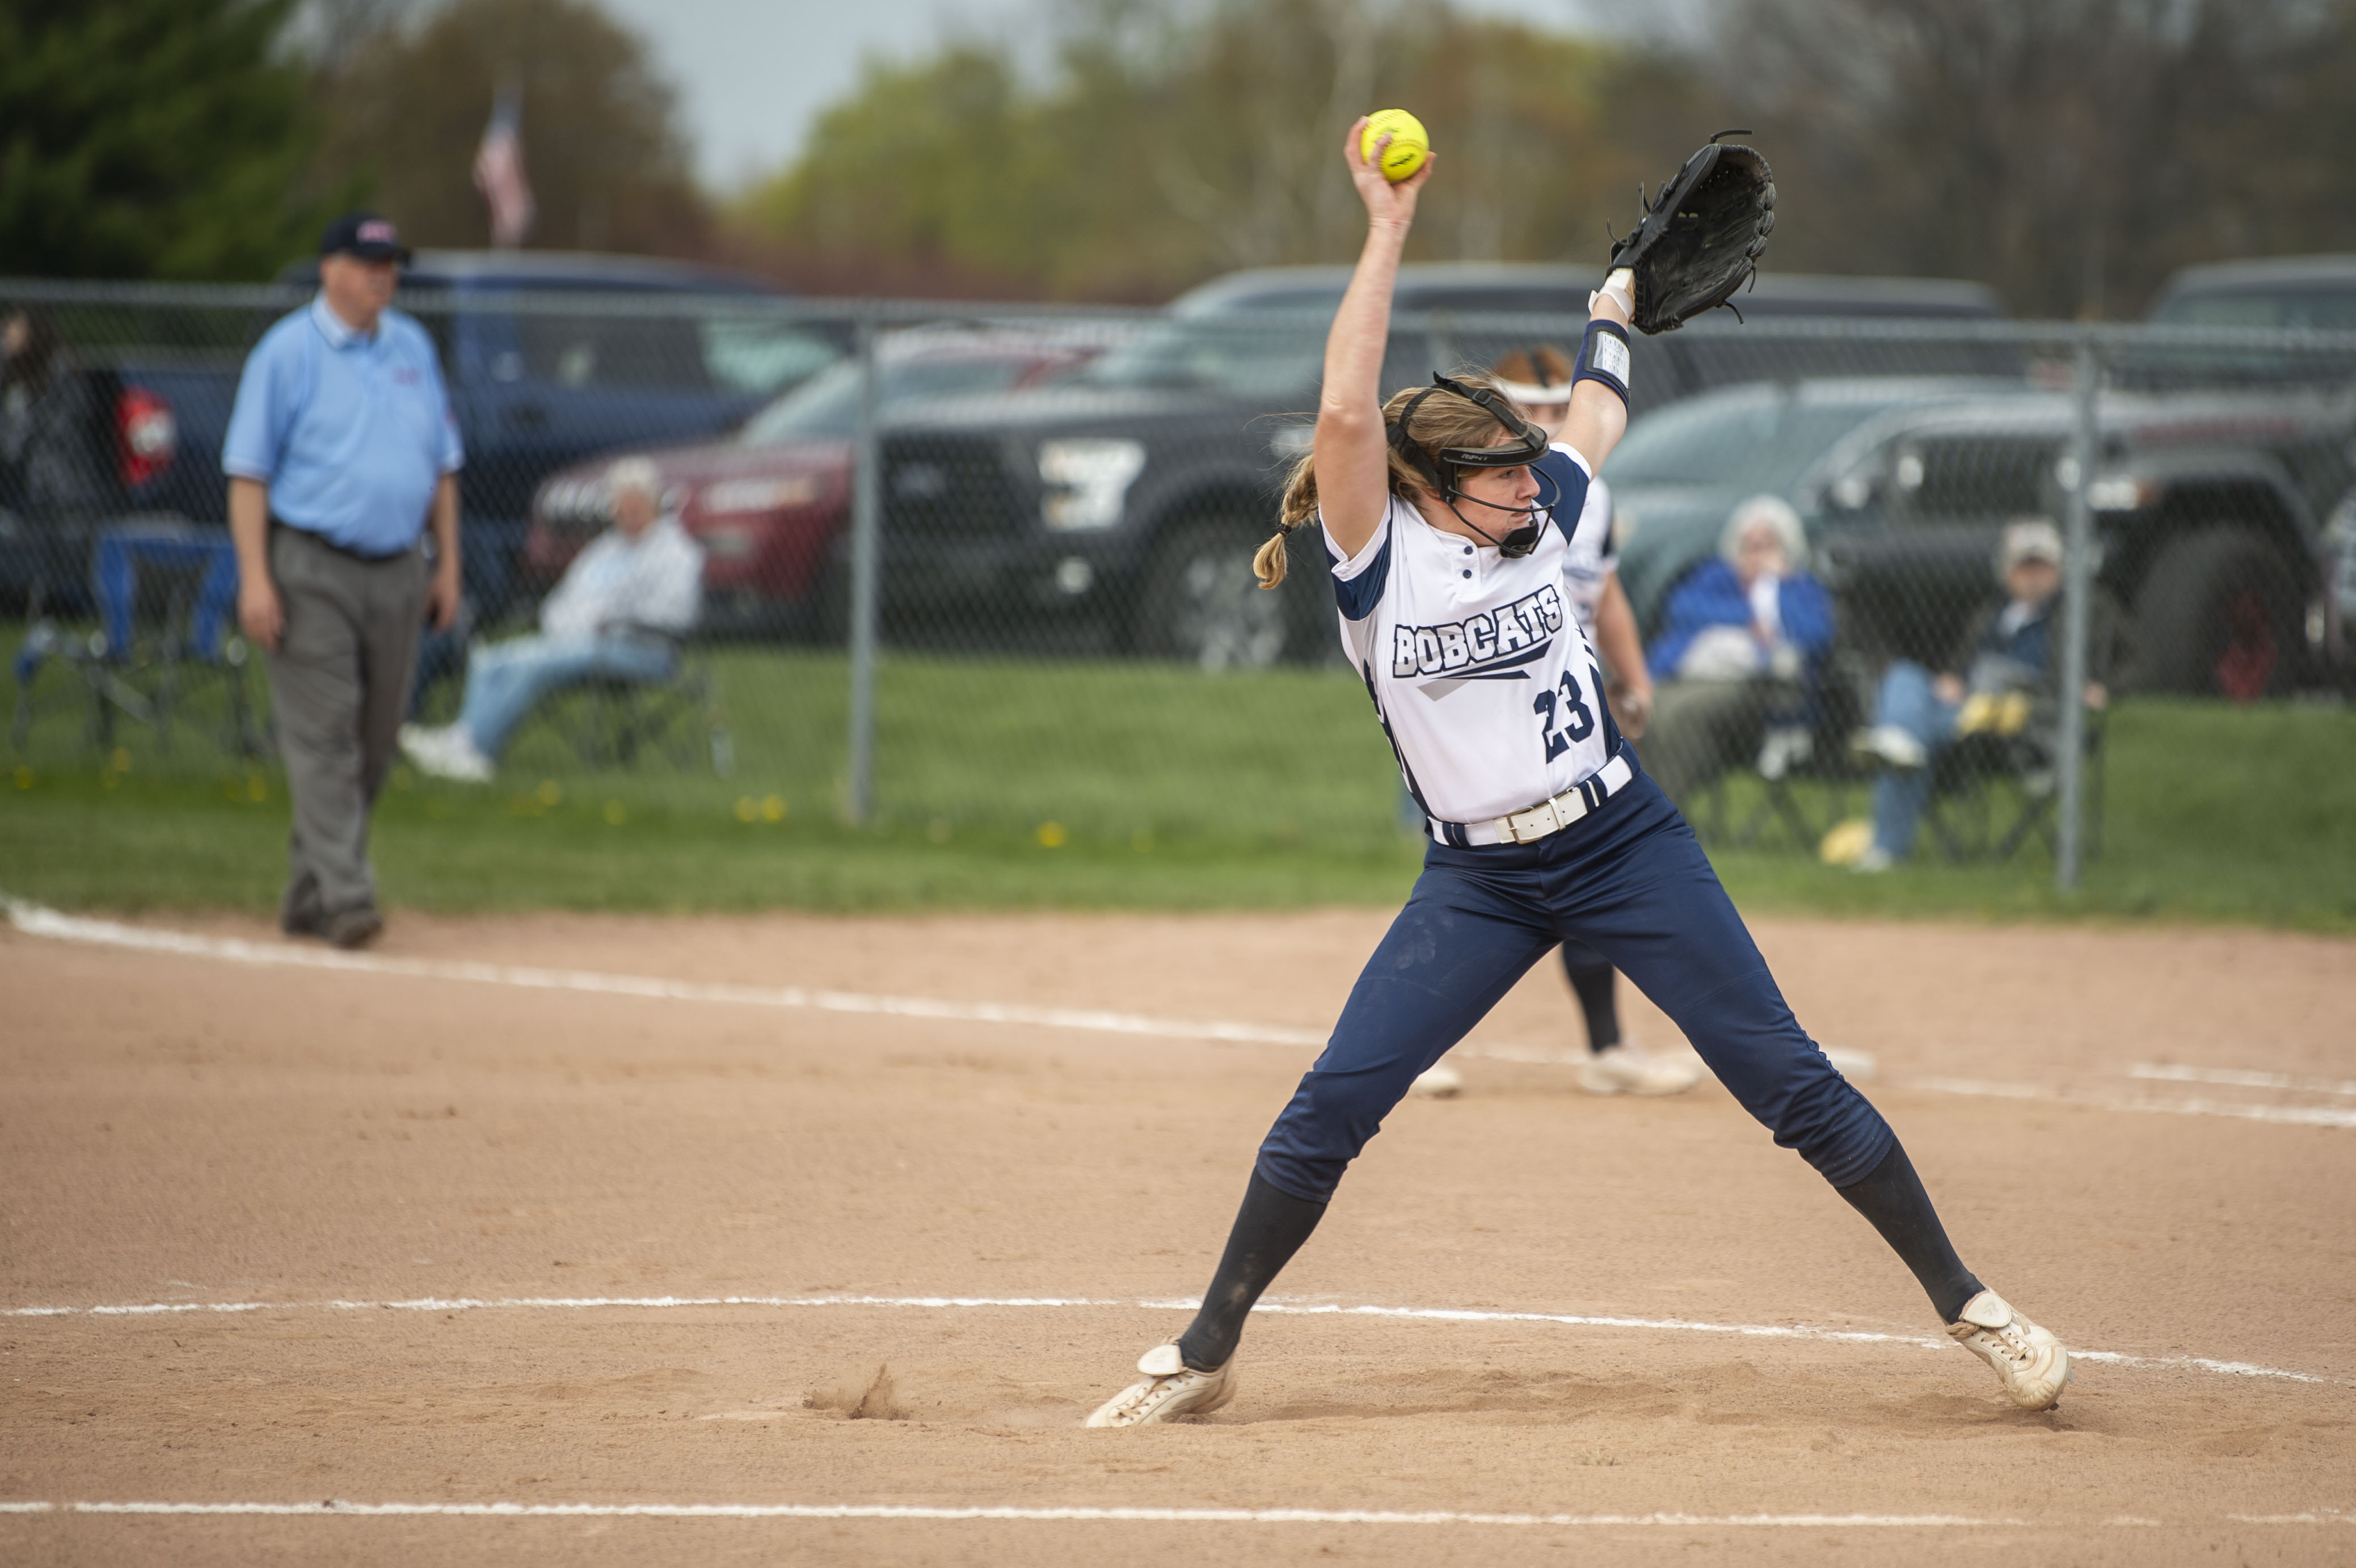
(879, 1401)
(725, 1203)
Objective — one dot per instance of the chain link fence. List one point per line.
(986, 569)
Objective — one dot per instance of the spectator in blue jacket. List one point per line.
(2003, 679)
(1742, 641)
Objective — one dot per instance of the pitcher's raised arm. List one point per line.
(1352, 480)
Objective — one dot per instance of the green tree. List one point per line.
(924, 177)
(608, 166)
(1168, 144)
(150, 138)
(2071, 152)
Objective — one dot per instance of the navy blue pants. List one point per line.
(1630, 882)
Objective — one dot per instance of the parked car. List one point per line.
(2208, 508)
(1539, 288)
(2292, 294)
(534, 385)
(770, 503)
(2318, 292)
(1129, 495)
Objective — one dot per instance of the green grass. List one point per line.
(2211, 812)
(76, 842)
(1006, 783)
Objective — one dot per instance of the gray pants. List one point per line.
(1702, 728)
(339, 687)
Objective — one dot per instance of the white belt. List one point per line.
(1548, 816)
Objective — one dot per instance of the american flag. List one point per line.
(498, 171)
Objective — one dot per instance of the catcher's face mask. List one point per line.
(1440, 468)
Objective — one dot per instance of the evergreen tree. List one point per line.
(150, 138)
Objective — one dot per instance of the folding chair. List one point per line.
(1804, 783)
(607, 722)
(1993, 792)
(165, 592)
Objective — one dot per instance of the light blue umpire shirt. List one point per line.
(351, 432)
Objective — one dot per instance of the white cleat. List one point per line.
(1438, 1082)
(1889, 743)
(1170, 1388)
(1629, 1068)
(2028, 1362)
(446, 753)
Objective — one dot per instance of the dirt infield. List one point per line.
(428, 1194)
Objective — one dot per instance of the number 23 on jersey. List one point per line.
(1577, 718)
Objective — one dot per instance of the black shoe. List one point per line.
(300, 913)
(353, 927)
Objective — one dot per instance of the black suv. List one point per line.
(2208, 508)
(1128, 497)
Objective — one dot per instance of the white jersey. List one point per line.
(1588, 563)
(1479, 669)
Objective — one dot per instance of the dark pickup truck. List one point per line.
(1129, 496)
(549, 356)
(2210, 509)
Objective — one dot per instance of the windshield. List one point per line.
(2330, 310)
(1746, 440)
(828, 404)
(1245, 359)
(1274, 301)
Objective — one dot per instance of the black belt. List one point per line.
(281, 526)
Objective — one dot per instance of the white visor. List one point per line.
(1531, 396)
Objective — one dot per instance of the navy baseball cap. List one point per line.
(365, 235)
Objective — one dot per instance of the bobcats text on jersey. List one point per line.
(1487, 645)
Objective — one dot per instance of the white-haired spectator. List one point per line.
(615, 615)
(1741, 639)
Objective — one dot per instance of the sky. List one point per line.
(753, 74)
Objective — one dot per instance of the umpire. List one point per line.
(340, 450)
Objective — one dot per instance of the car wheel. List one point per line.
(1201, 604)
(2218, 616)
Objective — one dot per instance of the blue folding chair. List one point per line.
(142, 670)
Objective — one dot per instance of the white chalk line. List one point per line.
(35, 920)
(2240, 1077)
(1278, 1308)
(338, 1508)
(39, 920)
(2007, 1089)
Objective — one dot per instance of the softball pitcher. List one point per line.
(1444, 516)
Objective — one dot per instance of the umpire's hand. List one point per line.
(259, 612)
(442, 595)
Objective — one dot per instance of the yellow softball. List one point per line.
(1410, 144)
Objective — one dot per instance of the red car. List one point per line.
(769, 502)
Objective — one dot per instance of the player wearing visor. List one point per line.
(1544, 827)
(1538, 379)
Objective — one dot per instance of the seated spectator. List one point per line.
(1737, 658)
(614, 615)
(2003, 678)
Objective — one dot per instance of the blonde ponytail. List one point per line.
(1299, 505)
(1268, 561)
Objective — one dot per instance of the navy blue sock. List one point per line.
(1597, 990)
(1270, 1228)
(1892, 1196)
